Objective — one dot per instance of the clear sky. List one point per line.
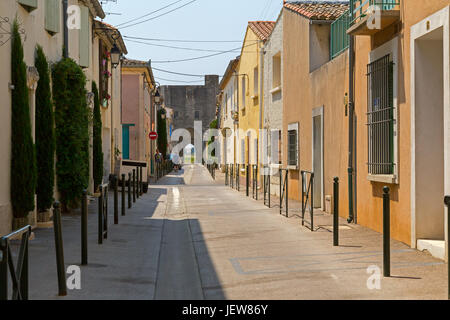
(216, 20)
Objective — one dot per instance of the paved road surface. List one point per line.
(193, 238)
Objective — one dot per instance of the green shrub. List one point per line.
(97, 139)
(23, 158)
(72, 131)
(45, 135)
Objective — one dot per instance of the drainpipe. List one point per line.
(66, 29)
(351, 104)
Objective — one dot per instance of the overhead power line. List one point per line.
(158, 16)
(181, 74)
(148, 14)
(174, 47)
(179, 40)
(203, 57)
(180, 81)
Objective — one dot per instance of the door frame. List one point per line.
(440, 19)
(318, 112)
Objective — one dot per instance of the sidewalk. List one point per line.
(123, 267)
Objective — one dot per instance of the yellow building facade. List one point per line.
(250, 94)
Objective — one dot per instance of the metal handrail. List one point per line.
(18, 272)
(308, 194)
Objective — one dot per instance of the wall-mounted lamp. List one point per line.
(115, 56)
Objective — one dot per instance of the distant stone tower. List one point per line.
(192, 103)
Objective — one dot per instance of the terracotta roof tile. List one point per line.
(318, 10)
(262, 29)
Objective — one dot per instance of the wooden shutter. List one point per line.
(84, 37)
(52, 16)
(29, 5)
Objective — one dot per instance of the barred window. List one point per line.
(380, 116)
(292, 147)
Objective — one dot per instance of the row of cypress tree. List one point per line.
(62, 125)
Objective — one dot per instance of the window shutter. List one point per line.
(84, 37)
(30, 5)
(52, 16)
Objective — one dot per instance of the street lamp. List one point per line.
(115, 56)
(157, 97)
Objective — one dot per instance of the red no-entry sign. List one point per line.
(153, 135)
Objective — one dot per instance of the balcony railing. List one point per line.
(360, 8)
(339, 37)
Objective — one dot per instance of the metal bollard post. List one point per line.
(116, 200)
(386, 233)
(129, 191)
(123, 194)
(281, 197)
(134, 185)
(447, 203)
(141, 187)
(137, 183)
(336, 212)
(100, 216)
(84, 229)
(286, 196)
(256, 180)
(247, 179)
(60, 267)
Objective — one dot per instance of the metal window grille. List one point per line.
(292, 147)
(380, 116)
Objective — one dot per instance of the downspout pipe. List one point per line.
(66, 29)
(351, 104)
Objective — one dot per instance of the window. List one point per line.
(175, 115)
(255, 149)
(292, 145)
(242, 151)
(380, 116)
(84, 38)
(52, 16)
(255, 82)
(276, 71)
(197, 115)
(29, 5)
(226, 105)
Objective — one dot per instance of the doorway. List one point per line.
(317, 152)
(430, 106)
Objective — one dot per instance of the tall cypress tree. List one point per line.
(72, 131)
(23, 158)
(45, 135)
(97, 139)
(162, 133)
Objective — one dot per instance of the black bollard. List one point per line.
(386, 233)
(123, 194)
(129, 191)
(336, 212)
(141, 184)
(134, 185)
(84, 229)
(116, 200)
(60, 267)
(138, 193)
(447, 202)
(247, 179)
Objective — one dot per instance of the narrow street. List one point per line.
(192, 237)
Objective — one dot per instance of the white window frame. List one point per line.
(292, 127)
(391, 48)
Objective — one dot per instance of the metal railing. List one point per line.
(284, 190)
(308, 196)
(359, 8)
(18, 272)
(266, 184)
(103, 214)
(340, 40)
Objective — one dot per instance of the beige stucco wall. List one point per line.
(304, 91)
(369, 202)
(33, 24)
